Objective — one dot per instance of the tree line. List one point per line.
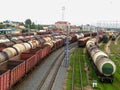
(32, 25)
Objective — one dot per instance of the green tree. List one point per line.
(28, 22)
(1, 26)
(40, 27)
(21, 23)
(32, 26)
(24, 30)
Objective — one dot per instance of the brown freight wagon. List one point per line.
(45, 51)
(38, 52)
(4, 79)
(17, 70)
(82, 41)
(29, 58)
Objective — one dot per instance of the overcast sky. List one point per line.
(49, 11)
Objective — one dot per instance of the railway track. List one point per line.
(50, 76)
(77, 69)
(33, 80)
(48, 79)
(73, 72)
(80, 71)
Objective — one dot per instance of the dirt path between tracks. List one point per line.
(107, 49)
(117, 40)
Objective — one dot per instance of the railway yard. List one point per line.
(37, 62)
(88, 74)
(60, 45)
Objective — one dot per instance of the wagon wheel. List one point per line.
(111, 80)
(101, 79)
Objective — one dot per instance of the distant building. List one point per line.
(16, 27)
(62, 25)
(45, 28)
(85, 27)
(51, 27)
(74, 28)
(12, 23)
(5, 31)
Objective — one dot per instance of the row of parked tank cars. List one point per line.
(20, 53)
(110, 35)
(102, 64)
(103, 36)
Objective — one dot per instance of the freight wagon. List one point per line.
(82, 41)
(83, 38)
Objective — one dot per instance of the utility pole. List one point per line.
(97, 32)
(116, 25)
(89, 27)
(66, 60)
(63, 11)
(35, 25)
(67, 28)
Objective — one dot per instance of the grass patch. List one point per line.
(74, 58)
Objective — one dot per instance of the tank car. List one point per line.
(103, 65)
(113, 37)
(105, 38)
